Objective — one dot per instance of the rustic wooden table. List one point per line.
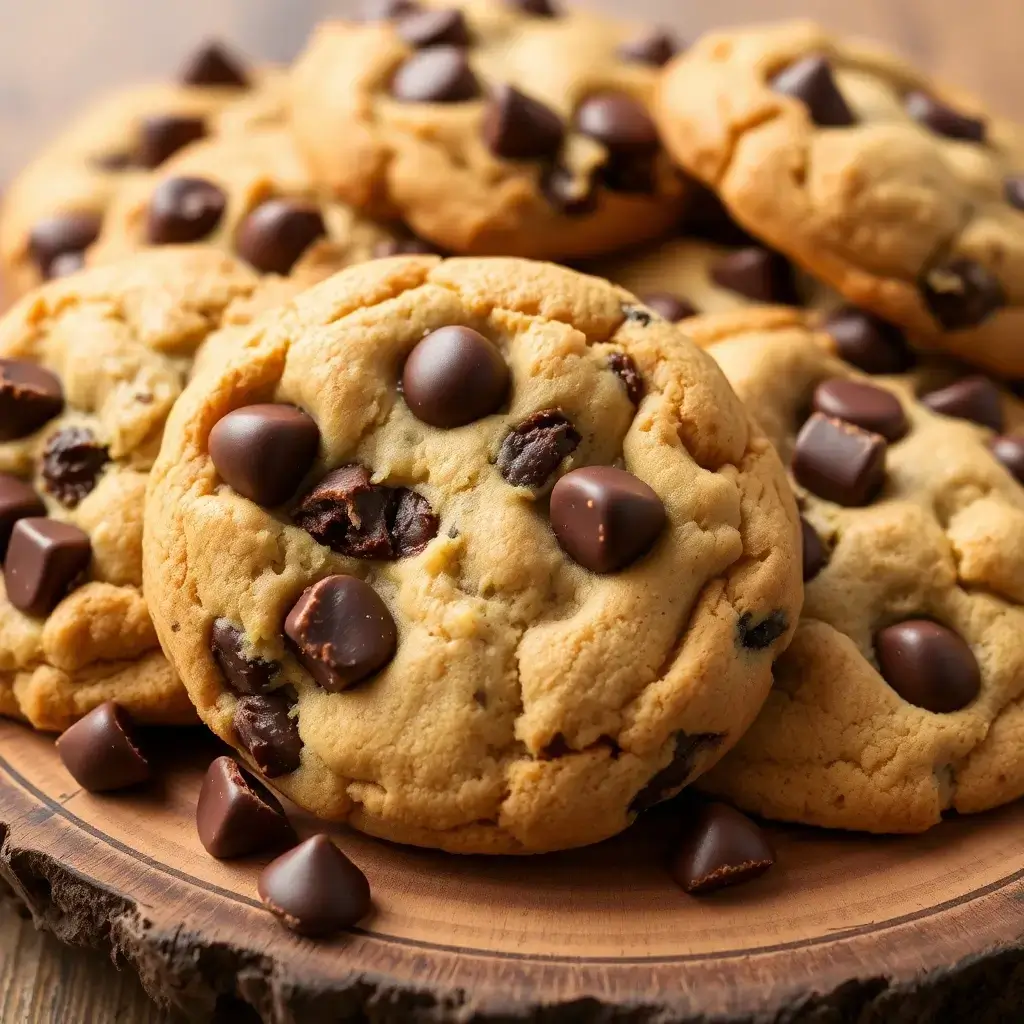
(55, 53)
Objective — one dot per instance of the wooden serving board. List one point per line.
(844, 928)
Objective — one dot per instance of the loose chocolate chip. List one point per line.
(264, 451)
(100, 750)
(342, 631)
(275, 235)
(570, 194)
(1007, 449)
(758, 274)
(454, 376)
(707, 218)
(973, 398)
(870, 344)
(626, 370)
(437, 74)
(72, 462)
(361, 519)
(605, 518)
(44, 557)
(811, 81)
(162, 136)
(1013, 189)
(962, 293)
(839, 462)
(242, 673)
(538, 8)
(656, 46)
(518, 127)
(184, 210)
(410, 246)
(29, 397)
(618, 122)
(17, 501)
(63, 234)
(214, 65)
(268, 733)
(431, 27)
(759, 636)
(720, 847)
(315, 889)
(387, 10)
(814, 551)
(943, 119)
(533, 451)
(864, 406)
(928, 665)
(677, 772)
(236, 815)
(668, 306)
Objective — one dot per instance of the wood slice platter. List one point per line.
(844, 928)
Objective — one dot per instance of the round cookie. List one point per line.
(474, 554)
(903, 196)
(491, 127)
(900, 697)
(89, 368)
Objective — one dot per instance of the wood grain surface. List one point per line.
(55, 54)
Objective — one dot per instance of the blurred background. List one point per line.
(57, 54)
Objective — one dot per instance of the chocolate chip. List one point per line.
(1008, 450)
(811, 81)
(605, 518)
(973, 398)
(361, 519)
(268, 733)
(214, 65)
(275, 235)
(538, 8)
(429, 28)
(636, 315)
(410, 246)
(315, 889)
(162, 136)
(44, 557)
(943, 119)
(962, 293)
(72, 462)
(184, 210)
(1013, 189)
(669, 307)
(29, 397)
(760, 635)
(236, 815)
(862, 405)
(264, 451)
(720, 847)
(815, 557)
(839, 462)
(438, 74)
(618, 122)
(518, 127)
(533, 450)
(707, 218)
(17, 501)
(454, 376)
(113, 161)
(242, 673)
(342, 631)
(758, 274)
(570, 194)
(928, 665)
(626, 370)
(677, 772)
(100, 750)
(64, 233)
(656, 46)
(867, 342)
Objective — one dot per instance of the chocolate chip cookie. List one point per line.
(491, 126)
(901, 195)
(900, 697)
(476, 554)
(89, 368)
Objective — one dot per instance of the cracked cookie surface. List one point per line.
(473, 554)
(901, 695)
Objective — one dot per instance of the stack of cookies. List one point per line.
(489, 554)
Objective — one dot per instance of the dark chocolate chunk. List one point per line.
(624, 367)
(761, 634)
(17, 501)
(532, 451)
(758, 274)
(657, 46)
(64, 234)
(811, 81)
(268, 733)
(100, 750)
(72, 462)
(962, 293)
(437, 74)
(161, 136)
(273, 237)
(720, 847)
(44, 558)
(677, 772)
(839, 462)
(213, 64)
(183, 210)
(928, 665)
(518, 127)
(863, 405)
(668, 306)
(942, 119)
(29, 397)
(242, 673)
(973, 398)
(815, 556)
(869, 343)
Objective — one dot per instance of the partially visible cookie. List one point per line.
(903, 196)
(902, 694)
(89, 369)
(491, 127)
